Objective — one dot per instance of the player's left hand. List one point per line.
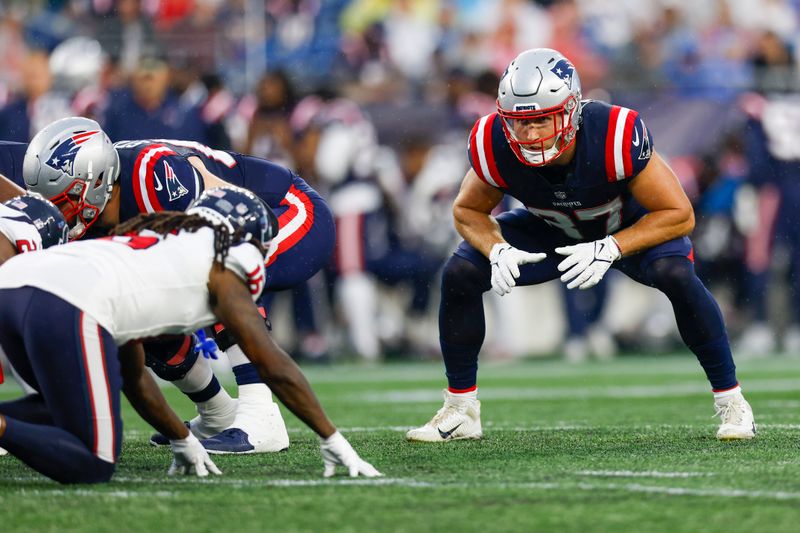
(190, 457)
(587, 262)
(337, 451)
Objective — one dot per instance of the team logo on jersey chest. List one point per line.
(561, 195)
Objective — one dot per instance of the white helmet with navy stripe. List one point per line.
(538, 83)
(73, 163)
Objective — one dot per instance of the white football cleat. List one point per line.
(257, 428)
(737, 418)
(459, 418)
(206, 424)
(3, 452)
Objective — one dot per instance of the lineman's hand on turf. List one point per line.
(505, 260)
(587, 262)
(337, 451)
(191, 458)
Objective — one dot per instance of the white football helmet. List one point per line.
(539, 83)
(73, 163)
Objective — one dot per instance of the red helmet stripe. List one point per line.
(143, 186)
(83, 137)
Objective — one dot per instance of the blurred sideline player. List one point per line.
(597, 195)
(72, 320)
(11, 157)
(98, 185)
(28, 223)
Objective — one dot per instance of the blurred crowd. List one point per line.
(371, 102)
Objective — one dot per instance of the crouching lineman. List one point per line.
(70, 320)
(146, 176)
(596, 196)
(28, 223)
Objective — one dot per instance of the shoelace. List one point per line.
(444, 413)
(730, 413)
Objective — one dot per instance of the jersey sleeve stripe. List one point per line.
(294, 223)
(630, 121)
(100, 400)
(611, 174)
(619, 133)
(143, 186)
(473, 151)
(483, 140)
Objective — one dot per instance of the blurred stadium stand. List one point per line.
(711, 79)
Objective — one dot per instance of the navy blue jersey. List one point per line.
(586, 199)
(155, 175)
(11, 156)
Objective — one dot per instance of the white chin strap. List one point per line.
(537, 157)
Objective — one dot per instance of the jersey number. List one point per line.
(612, 210)
(137, 242)
(25, 246)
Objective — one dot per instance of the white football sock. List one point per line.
(471, 395)
(197, 378)
(724, 396)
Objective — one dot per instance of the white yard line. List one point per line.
(633, 473)
(571, 392)
(433, 485)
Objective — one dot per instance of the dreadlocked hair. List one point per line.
(171, 222)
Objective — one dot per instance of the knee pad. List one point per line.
(462, 276)
(224, 340)
(171, 358)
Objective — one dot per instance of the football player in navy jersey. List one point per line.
(596, 195)
(99, 185)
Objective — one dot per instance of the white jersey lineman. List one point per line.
(17, 228)
(136, 287)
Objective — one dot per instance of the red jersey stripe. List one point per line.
(611, 172)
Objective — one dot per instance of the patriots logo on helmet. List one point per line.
(564, 70)
(175, 188)
(63, 157)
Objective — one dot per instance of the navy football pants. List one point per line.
(71, 431)
(667, 267)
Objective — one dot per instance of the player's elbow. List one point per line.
(686, 222)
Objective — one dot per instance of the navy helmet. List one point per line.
(244, 214)
(45, 217)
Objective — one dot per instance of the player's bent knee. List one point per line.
(461, 276)
(171, 358)
(671, 274)
(98, 471)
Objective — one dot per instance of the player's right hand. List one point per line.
(505, 260)
(337, 451)
(190, 457)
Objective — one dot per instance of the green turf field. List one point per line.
(623, 446)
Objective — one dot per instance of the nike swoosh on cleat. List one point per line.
(446, 434)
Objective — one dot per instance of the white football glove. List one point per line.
(505, 260)
(190, 457)
(337, 451)
(587, 262)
